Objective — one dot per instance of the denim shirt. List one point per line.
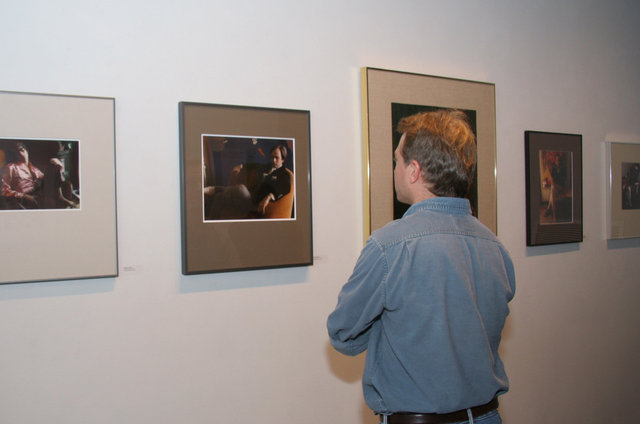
(428, 301)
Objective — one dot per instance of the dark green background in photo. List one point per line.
(399, 111)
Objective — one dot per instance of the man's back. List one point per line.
(433, 289)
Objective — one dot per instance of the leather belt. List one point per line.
(451, 417)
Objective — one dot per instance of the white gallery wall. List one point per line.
(154, 346)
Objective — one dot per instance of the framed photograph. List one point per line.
(554, 187)
(623, 190)
(57, 187)
(246, 188)
(387, 97)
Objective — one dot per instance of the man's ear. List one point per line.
(415, 172)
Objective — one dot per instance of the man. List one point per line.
(428, 296)
(21, 181)
(275, 181)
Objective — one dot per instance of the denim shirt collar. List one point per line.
(454, 205)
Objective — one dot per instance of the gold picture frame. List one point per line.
(384, 91)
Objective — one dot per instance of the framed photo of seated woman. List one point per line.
(57, 187)
(246, 188)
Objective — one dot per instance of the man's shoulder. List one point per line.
(13, 168)
(403, 228)
(426, 223)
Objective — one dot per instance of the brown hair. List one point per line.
(444, 145)
(283, 150)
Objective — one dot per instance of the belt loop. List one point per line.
(470, 415)
(384, 419)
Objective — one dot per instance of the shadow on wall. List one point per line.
(623, 243)
(349, 370)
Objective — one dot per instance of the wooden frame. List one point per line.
(223, 225)
(623, 190)
(386, 97)
(53, 242)
(554, 187)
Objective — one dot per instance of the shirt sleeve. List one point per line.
(511, 274)
(282, 185)
(5, 189)
(360, 302)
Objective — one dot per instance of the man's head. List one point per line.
(278, 155)
(443, 146)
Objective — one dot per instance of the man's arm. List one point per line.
(262, 206)
(360, 303)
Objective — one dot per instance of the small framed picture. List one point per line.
(623, 190)
(554, 187)
(246, 188)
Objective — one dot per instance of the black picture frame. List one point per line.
(242, 239)
(553, 167)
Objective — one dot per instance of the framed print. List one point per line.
(58, 187)
(554, 187)
(246, 188)
(623, 190)
(388, 96)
